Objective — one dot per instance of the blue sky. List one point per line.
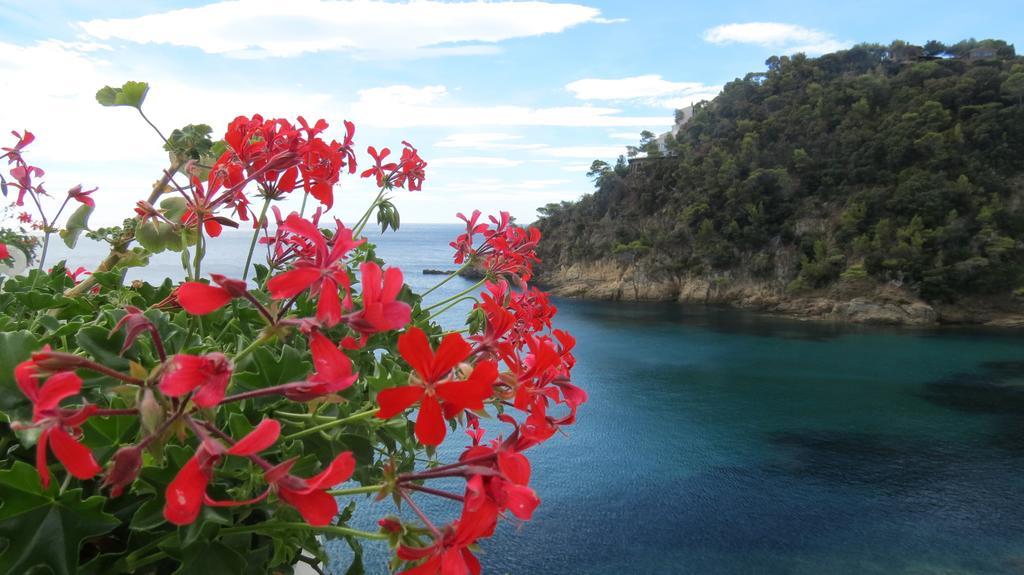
(509, 102)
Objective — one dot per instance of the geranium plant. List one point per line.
(229, 425)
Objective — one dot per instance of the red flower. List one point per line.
(411, 169)
(332, 371)
(210, 373)
(509, 488)
(78, 195)
(381, 311)
(59, 427)
(380, 169)
(4, 252)
(203, 204)
(322, 271)
(187, 492)
(450, 554)
(432, 384)
(77, 275)
(200, 299)
(309, 496)
(14, 154)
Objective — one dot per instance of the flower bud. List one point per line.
(390, 525)
(124, 468)
(151, 411)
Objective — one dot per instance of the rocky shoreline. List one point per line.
(854, 301)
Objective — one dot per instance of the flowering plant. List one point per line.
(219, 425)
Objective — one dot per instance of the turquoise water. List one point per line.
(718, 441)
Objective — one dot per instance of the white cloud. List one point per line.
(584, 152)
(497, 185)
(787, 38)
(272, 28)
(485, 141)
(650, 89)
(484, 161)
(577, 168)
(408, 107)
(631, 136)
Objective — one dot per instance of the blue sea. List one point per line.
(718, 441)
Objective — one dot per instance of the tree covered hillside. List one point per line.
(894, 163)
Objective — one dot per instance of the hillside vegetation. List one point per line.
(882, 164)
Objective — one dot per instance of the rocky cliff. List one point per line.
(857, 301)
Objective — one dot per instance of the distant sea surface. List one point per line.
(718, 441)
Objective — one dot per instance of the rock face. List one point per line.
(854, 301)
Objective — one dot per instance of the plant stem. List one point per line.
(118, 250)
(445, 280)
(357, 490)
(422, 516)
(255, 237)
(457, 296)
(317, 428)
(366, 216)
(46, 246)
(200, 247)
(326, 529)
(152, 125)
(251, 347)
(432, 491)
(449, 306)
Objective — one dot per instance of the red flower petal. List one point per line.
(185, 493)
(322, 192)
(452, 350)
(200, 299)
(56, 388)
(186, 373)
(395, 400)
(4, 252)
(394, 315)
(76, 457)
(328, 307)
(338, 471)
(430, 428)
(415, 350)
(306, 229)
(470, 394)
(316, 507)
(331, 365)
(371, 276)
(292, 282)
(521, 500)
(25, 375)
(287, 181)
(213, 227)
(265, 434)
(212, 372)
(41, 468)
(393, 281)
(514, 466)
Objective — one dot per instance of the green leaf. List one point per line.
(110, 280)
(77, 223)
(191, 142)
(211, 558)
(263, 369)
(129, 94)
(103, 346)
(43, 529)
(15, 347)
(150, 236)
(174, 208)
